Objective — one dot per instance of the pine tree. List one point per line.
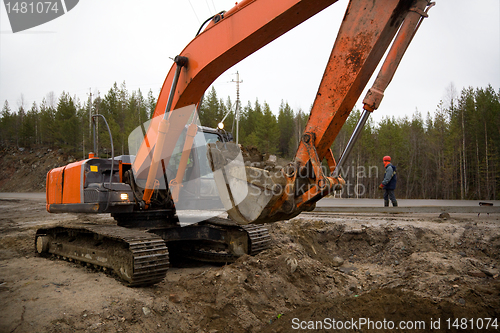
(47, 123)
(7, 125)
(210, 111)
(267, 131)
(67, 125)
(286, 127)
(29, 129)
(151, 103)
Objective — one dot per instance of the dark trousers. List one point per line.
(389, 195)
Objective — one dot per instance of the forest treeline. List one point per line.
(451, 154)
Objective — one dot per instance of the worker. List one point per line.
(389, 182)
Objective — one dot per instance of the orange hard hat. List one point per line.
(387, 158)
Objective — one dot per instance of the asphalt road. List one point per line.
(338, 202)
(37, 196)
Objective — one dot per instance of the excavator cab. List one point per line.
(199, 190)
(184, 174)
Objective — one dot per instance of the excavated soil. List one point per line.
(385, 269)
(395, 272)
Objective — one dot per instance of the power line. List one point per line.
(199, 22)
(208, 6)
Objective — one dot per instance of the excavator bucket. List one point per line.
(248, 193)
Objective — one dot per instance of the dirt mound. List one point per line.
(25, 170)
(397, 268)
(391, 270)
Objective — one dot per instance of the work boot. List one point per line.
(386, 203)
(394, 204)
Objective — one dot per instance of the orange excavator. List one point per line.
(170, 192)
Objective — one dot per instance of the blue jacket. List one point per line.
(390, 178)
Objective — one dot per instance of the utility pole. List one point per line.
(96, 137)
(237, 110)
(90, 121)
(90, 113)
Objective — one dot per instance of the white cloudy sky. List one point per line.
(102, 42)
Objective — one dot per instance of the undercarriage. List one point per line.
(140, 256)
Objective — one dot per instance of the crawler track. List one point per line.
(216, 240)
(141, 258)
(260, 239)
(137, 257)
(257, 240)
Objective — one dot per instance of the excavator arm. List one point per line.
(367, 30)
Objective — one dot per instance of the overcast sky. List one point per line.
(101, 42)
